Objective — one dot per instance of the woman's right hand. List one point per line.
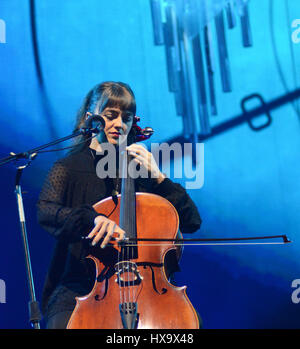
(107, 229)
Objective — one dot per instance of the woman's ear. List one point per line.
(87, 115)
(136, 119)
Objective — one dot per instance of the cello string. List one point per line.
(124, 263)
(129, 228)
(131, 248)
(122, 288)
(119, 275)
(127, 265)
(129, 225)
(131, 222)
(129, 274)
(134, 223)
(129, 191)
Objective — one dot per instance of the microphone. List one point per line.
(94, 124)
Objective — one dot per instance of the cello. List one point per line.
(131, 289)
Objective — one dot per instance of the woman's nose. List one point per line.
(118, 122)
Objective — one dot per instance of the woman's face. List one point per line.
(117, 124)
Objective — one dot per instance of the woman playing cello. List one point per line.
(72, 187)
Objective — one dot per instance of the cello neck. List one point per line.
(128, 205)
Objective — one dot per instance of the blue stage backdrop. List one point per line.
(52, 52)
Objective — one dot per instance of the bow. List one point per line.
(208, 241)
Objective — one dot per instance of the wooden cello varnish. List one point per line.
(131, 287)
(163, 306)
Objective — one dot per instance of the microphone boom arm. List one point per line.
(27, 154)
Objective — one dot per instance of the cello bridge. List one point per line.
(127, 274)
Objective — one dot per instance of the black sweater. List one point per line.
(65, 211)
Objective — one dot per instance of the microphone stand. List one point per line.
(33, 305)
(27, 154)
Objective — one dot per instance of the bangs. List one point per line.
(108, 94)
(118, 97)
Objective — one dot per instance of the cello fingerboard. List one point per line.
(128, 211)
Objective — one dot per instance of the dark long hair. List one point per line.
(104, 95)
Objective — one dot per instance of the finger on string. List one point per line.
(118, 235)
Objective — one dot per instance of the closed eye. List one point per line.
(113, 115)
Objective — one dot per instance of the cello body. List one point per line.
(135, 292)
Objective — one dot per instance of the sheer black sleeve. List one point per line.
(53, 213)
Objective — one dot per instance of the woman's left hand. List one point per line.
(145, 158)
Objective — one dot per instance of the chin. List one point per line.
(114, 141)
(119, 141)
